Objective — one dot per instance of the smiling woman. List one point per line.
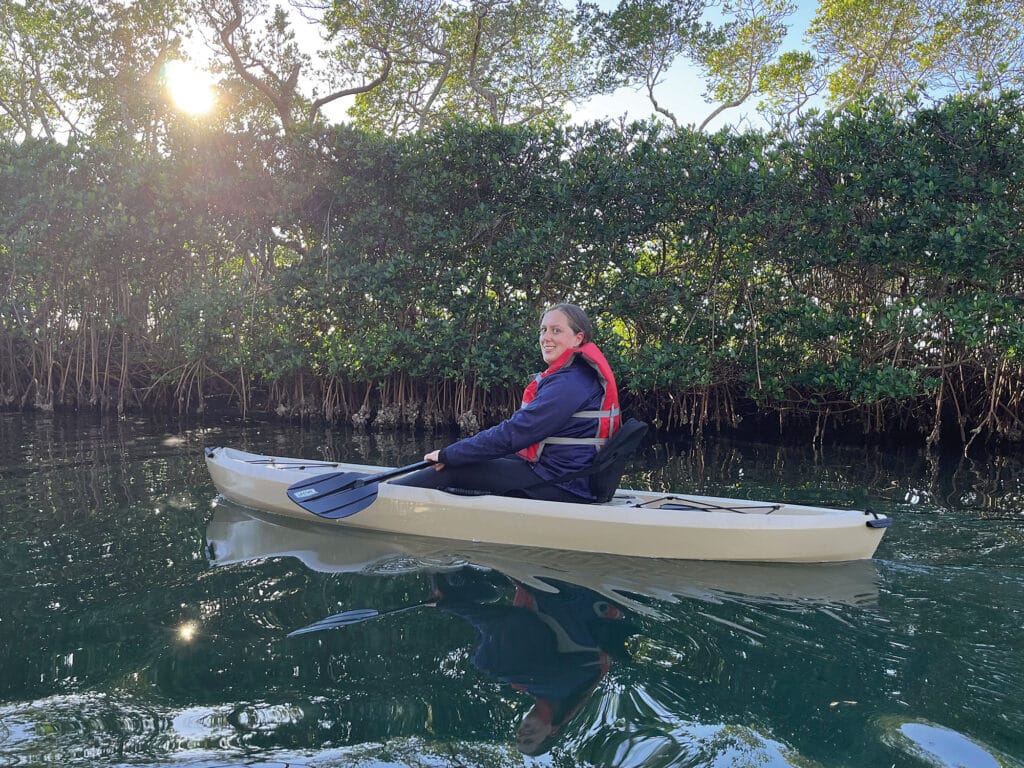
(190, 89)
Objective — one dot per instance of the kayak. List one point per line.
(236, 535)
(633, 523)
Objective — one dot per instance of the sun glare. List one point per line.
(187, 631)
(190, 89)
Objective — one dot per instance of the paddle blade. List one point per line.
(319, 486)
(335, 495)
(337, 620)
(355, 617)
(340, 494)
(348, 502)
(334, 504)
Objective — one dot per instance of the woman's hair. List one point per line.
(578, 320)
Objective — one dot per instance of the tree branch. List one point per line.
(282, 101)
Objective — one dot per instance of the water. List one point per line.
(144, 623)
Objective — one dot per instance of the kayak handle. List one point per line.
(876, 521)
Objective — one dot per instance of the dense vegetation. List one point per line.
(867, 273)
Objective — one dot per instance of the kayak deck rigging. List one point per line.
(682, 503)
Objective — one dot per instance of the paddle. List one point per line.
(340, 494)
(355, 617)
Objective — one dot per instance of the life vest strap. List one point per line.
(574, 441)
(609, 413)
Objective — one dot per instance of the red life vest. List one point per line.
(608, 418)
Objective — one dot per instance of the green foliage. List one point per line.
(638, 39)
(498, 63)
(865, 273)
(744, 46)
(77, 68)
(69, 67)
(931, 47)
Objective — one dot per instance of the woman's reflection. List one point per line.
(554, 646)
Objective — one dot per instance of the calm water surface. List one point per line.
(144, 622)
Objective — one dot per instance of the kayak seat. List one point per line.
(610, 462)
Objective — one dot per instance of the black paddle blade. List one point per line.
(317, 486)
(323, 494)
(337, 620)
(327, 500)
(340, 494)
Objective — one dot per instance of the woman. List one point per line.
(568, 413)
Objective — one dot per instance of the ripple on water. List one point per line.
(398, 565)
(641, 728)
(941, 747)
(64, 729)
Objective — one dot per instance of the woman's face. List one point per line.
(532, 731)
(556, 336)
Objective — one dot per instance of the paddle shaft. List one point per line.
(391, 473)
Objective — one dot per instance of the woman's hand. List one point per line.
(433, 456)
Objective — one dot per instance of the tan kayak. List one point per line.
(634, 523)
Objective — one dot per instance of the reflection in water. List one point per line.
(554, 646)
(552, 640)
(568, 616)
(909, 661)
(940, 747)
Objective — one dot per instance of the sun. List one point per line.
(190, 89)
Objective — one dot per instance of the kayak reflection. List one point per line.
(236, 534)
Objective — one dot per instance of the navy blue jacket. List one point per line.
(549, 414)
